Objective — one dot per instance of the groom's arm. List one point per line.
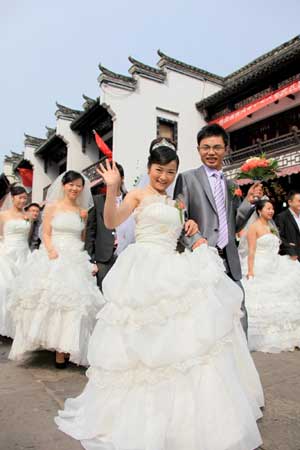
(244, 211)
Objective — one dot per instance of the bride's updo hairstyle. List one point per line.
(17, 190)
(260, 204)
(72, 175)
(162, 151)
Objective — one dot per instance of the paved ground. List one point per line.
(30, 395)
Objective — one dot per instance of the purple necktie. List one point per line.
(221, 209)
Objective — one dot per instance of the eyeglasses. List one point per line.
(215, 148)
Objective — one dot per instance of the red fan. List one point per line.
(103, 146)
(26, 176)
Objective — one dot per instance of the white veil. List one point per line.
(7, 204)
(56, 193)
(243, 241)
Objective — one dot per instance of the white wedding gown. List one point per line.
(55, 302)
(272, 298)
(170, 368)
(14, 250)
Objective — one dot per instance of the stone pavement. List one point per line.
(31, 394)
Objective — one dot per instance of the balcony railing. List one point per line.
(272, 148)
(91, 173)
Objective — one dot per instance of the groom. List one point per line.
(210, 199)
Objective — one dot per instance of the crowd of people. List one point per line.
(155, 297)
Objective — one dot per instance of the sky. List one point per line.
(50, 51)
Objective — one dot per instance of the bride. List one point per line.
(14, 249)
(170, 368)
(55, 301)
(272, 287)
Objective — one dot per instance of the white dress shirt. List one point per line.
(212, 179)
(297, 218)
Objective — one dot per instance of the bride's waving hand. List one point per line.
(114, 216)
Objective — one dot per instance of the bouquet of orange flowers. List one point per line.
(259, 168)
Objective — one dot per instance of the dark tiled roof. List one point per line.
(94, 115)
(142, 69)
(50, 131)
(14, 157)
(65, 111)
(263, 59)
(33, 140)
(88, 102)
(255, 70)
(116, 78)
(50, 144)
(167, 61)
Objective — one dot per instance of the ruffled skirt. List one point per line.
(54, 305)
(12, 261)
(170, 368)
(273, 304)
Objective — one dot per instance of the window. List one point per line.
(167, 128)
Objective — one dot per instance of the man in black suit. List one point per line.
(100, 242)
(4, 187)
(288, 223)
(33, 211)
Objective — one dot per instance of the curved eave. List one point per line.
(250, 78)
(23, 164)
(90, 118)
(50, 146)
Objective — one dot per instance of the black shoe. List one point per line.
(61, 365)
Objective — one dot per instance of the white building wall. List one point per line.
(136, 115)
(40, 178)
(76, 158)
(8, 171)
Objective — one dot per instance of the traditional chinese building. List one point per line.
(10, 165)
(130, 112)
(259, 105)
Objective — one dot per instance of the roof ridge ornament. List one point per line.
(144, 70)
(66, 112)
(116, 79)
(188, 69)
(89, 102)
(33, 141)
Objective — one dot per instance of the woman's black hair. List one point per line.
(70, 176)
(260, 204)
(17, 190)
(162, 155)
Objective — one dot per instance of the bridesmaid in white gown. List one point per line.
(272, 287)
(170, 368)
(14, 249)
(56, 299)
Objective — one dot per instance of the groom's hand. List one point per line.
(191, 227)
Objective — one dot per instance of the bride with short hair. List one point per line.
(55, 301)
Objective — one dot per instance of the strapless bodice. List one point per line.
(15, 233)
(268, 244)
(67, 227)
(158, 222)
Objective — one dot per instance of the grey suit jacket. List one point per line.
(195, 188)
